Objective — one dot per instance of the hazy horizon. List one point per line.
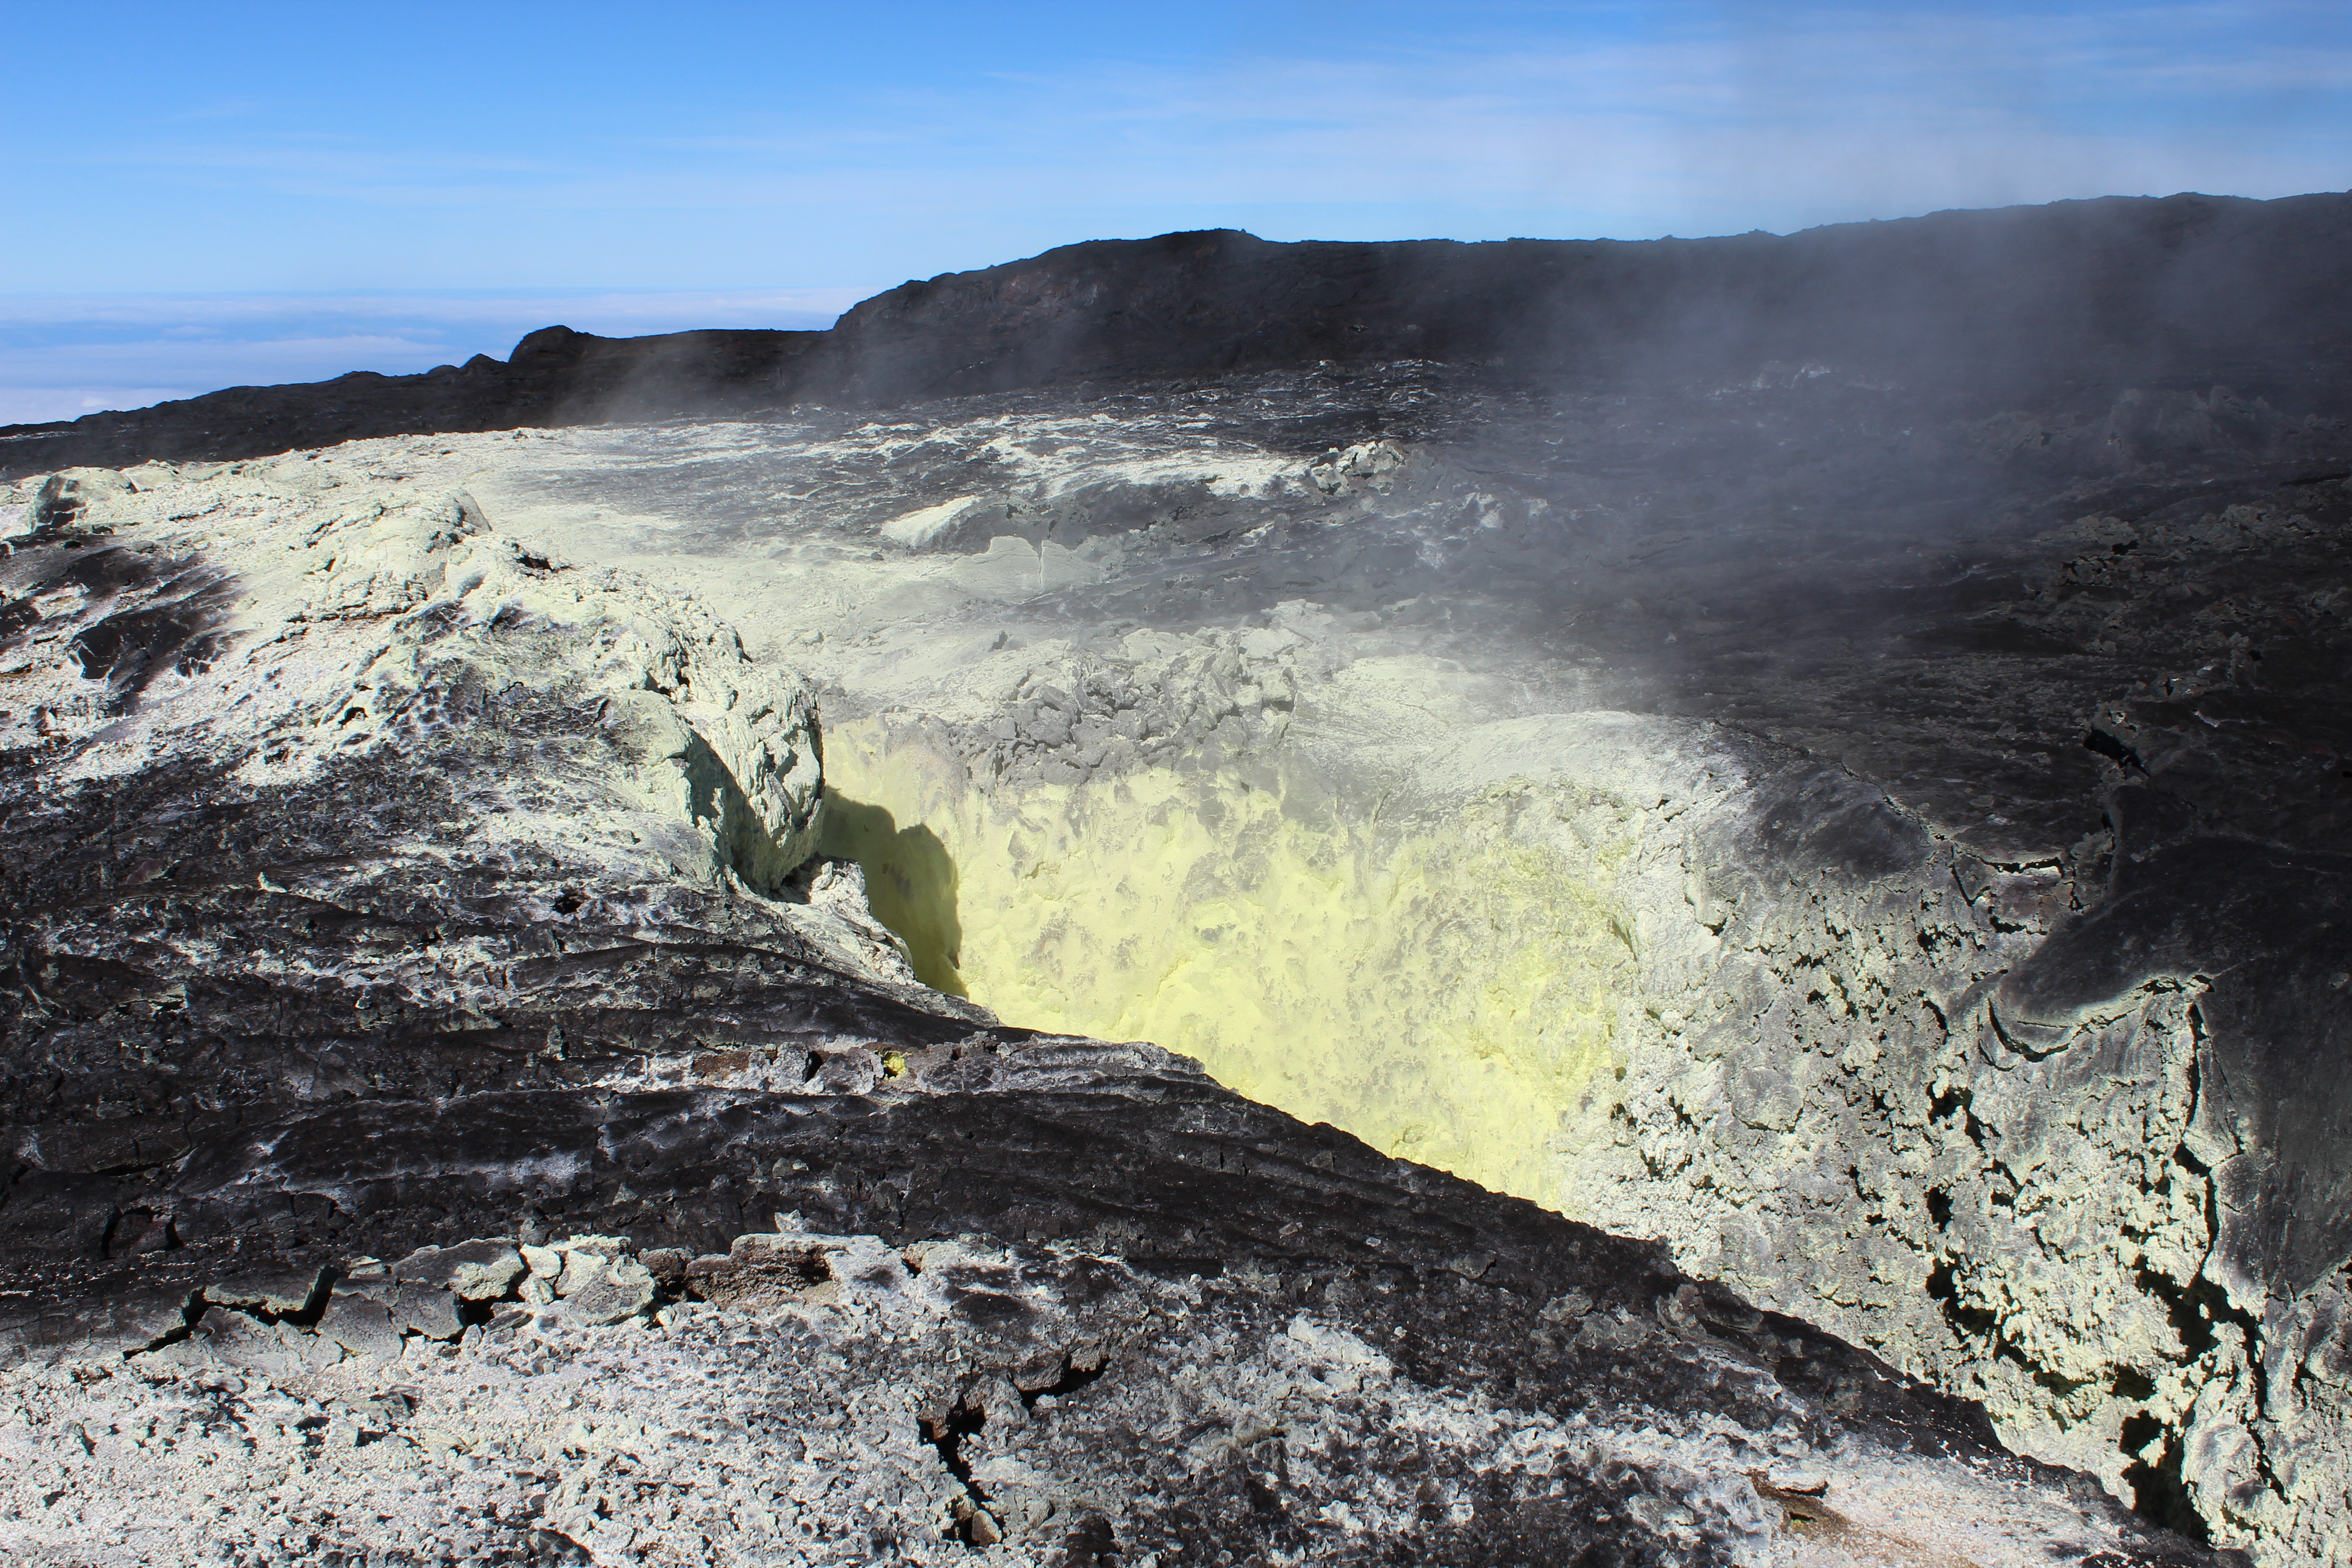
(263, 193)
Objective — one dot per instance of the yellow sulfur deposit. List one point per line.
(1447, 989)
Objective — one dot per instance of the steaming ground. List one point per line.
(1500, 779)
(1109, 797)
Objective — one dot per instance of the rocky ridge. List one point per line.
(2015, 304)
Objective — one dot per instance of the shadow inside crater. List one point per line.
(911, 884)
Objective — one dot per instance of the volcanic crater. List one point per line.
(1723, 865)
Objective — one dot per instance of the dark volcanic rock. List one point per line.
(2127, 288)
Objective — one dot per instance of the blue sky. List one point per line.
(206, 194)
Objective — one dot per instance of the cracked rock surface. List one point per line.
(961, 1400)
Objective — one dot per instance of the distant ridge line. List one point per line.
(2115, 289)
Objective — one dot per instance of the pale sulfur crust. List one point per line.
(1473, 963)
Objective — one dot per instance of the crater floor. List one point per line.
(1884, 851)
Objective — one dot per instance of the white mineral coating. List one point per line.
(63, 497)
(1458, 910)
(283, 1290)
(613, 1290)
(794, 1431)
(351, 605)
(357, 603)
(927, 525)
